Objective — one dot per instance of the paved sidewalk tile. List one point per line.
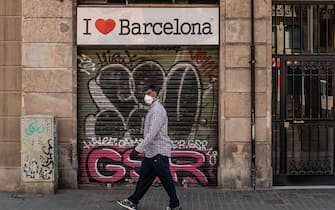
(191, 199)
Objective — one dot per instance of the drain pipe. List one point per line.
(253, 99)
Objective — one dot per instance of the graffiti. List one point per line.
(113, 164)
(34, 127)
(128, 59)
(37, 149)
(47, 162)
(111, 141)
(116, 122)
(197, 145)
(42, 168)
(206, 63)
(117, 93)
(86, 64)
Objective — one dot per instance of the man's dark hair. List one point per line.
(152, 87)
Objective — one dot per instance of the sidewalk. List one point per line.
(191, 199)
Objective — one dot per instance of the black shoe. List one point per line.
(175, 208)
(127, 204)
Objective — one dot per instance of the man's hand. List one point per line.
(133, 154)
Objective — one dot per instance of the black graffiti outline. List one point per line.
(129, 60)
(47, 162)
(44, 168)
(104, 104)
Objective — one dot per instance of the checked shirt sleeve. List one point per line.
(155, 124)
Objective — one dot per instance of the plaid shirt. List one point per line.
(156, 140)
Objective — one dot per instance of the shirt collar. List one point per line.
(154, 103)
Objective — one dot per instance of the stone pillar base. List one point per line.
(40, 187)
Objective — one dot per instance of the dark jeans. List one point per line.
(150, 168)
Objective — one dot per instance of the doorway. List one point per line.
(303, 69)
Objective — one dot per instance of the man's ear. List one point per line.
(156, 95)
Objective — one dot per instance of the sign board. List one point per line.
(147, 26)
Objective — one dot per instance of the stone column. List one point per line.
(48, 84)
(10, 94)
(235, 134)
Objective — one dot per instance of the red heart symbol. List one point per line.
(105, 26)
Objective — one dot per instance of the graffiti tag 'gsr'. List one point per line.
(107, 164)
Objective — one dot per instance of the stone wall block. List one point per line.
(57, 104)
(261, 56)
(261, 32)
(47, 30)
(64, 130)
(261, 80)
(2, 53)
(47, 55)
(238, 31)
(47, 81)
(261, 129)
(262, 8)
(238, 8)
(12, 53)
(236, 178)
(10, 154)
(65, 156)
(13, 28)
(2, 7)
(242, 8)
(237, 155)
(237, 104)
(223, 9)
(13, 7)
(222, 37)
(264, 178)
(9, 128)
(2, 26)
(237, 166)
(43, 8)
(261, 104)
(10, 178)
(263, 157)
(237, 130)
(11, 78)
(10, 104)
(238, 55)
(68, 178)
(237, 80)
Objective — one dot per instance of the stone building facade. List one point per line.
(38, 75)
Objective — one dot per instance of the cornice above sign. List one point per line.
(147, 26)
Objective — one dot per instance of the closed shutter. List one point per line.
(111, 111)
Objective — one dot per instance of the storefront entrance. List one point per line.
(303, 125)
(111, 111)
(119, 51)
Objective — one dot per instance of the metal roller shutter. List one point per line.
(111, 111)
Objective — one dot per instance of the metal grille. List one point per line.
(303, 124)
(303, 29)
(111, 111)
(303, 65)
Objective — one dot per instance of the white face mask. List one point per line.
(148, 99)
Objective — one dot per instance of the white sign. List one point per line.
(147, 26)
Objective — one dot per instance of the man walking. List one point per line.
(157, 147)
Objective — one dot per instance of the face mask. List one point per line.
(148, 99)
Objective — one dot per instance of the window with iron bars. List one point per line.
(303, 28)
(117, 2)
